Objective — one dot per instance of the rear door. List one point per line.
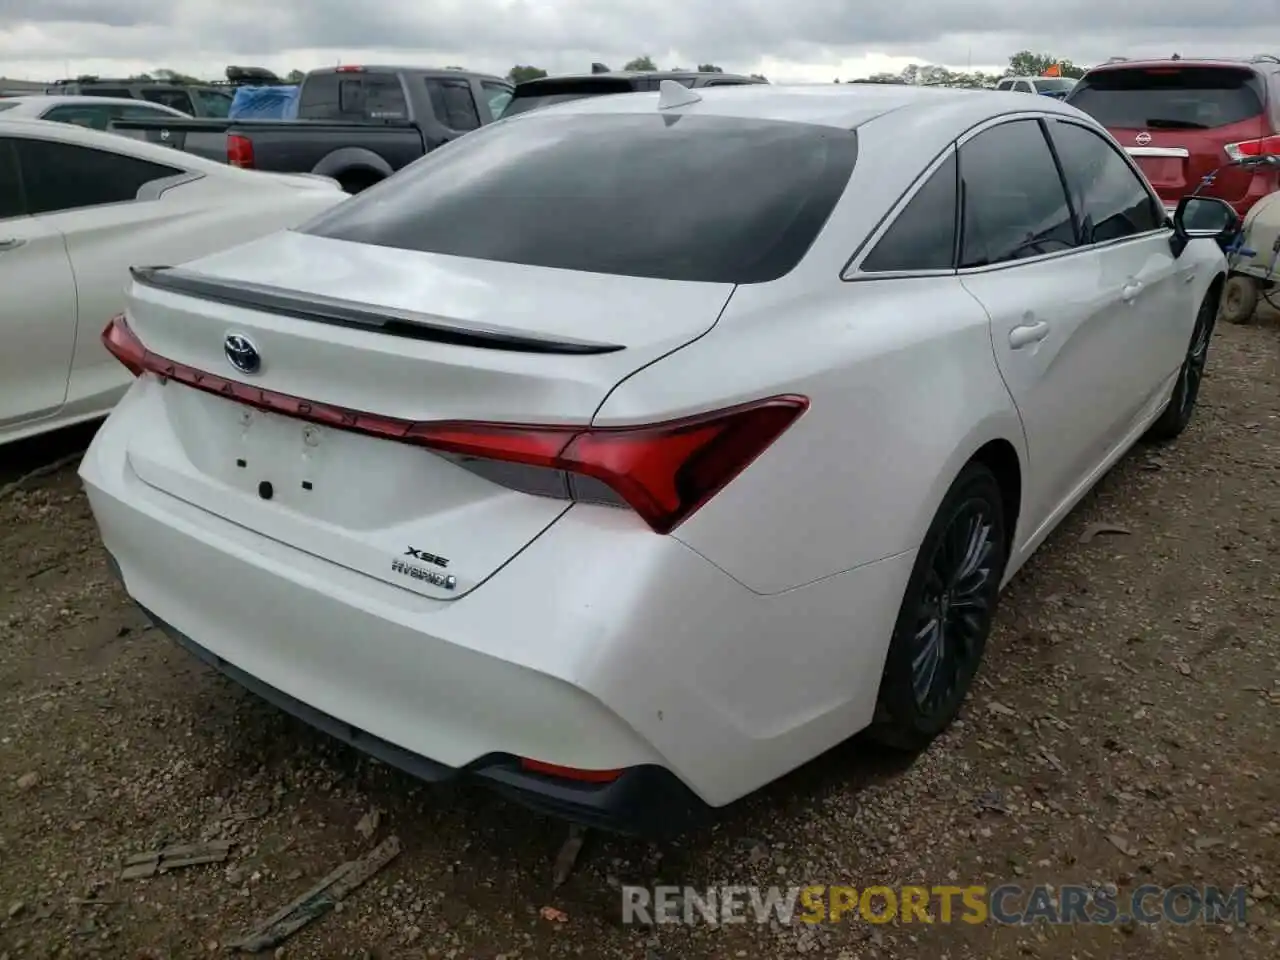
(1127, 228)
(1177, 120)
(1059, 328)
(38, 320)
(90, 198)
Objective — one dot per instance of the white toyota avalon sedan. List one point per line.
(625, 455)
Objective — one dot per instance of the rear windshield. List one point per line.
(1187, 98)
(713, 199)
(544, 94)
(352, 96)
(8, 104)
(1053, 84)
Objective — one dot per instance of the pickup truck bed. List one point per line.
(355, 154)
(357, 125)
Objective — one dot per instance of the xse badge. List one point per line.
(416, 572)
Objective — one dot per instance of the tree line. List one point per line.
(1024, 63)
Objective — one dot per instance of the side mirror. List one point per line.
(1204, 218)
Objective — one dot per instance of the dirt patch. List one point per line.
(1123, 731)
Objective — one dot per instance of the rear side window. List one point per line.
(62, 176)
(1110, 200)
(7, 105)
(213, 103)
(498, 94)
(923, 237)
(1172, 98)
(453, 103)
(697, 198)
(94, 116)
(178, 99)
(1012, 199)
(109, 92)
(10, 184)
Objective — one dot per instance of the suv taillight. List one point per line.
(239, 151)
(1266, 146)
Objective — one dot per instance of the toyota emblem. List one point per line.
(241, 353)
(1142, 139)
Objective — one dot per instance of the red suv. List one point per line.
(1183, 119)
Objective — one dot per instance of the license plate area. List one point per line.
(1163, 171)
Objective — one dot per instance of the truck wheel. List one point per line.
(1239, 299)
(356, 180)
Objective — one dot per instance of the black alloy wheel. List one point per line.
(946, 614)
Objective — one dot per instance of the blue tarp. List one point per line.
(265, 103)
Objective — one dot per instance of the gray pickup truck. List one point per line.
(357, 125)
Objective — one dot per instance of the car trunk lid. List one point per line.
(365, 340)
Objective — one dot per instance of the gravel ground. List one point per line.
(1123, 731)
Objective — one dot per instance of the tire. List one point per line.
(946, 614)
(1239, 299)
(356, 180)
(1182, 402)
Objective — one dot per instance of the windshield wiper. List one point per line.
(1163, 124)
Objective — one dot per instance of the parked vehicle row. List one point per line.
(503, 491)
(96, 113)
(360, 124)
(77, 209)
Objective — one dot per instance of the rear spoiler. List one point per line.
(348, 313)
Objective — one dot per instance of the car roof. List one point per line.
(844, 106)
(393, 68)
(1239, 63)
(634, 74)
(81, 99)
(110, 142)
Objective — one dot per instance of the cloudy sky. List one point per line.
(787, 40)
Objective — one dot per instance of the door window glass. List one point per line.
(1014, 205)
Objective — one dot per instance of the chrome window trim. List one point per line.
(853, 272)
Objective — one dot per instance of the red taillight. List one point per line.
(570, 773)
(239, 151)
(663, 471)
(350, 69)
(1266, 146)
(122, 344)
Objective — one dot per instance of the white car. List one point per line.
(627, 454)
(86, 207)
(1056, 87)
(96, 113)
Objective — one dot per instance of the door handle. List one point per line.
(1189, 277)
(11, 243)
(1026, 334)
(1131, 290)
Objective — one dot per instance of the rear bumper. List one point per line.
(646, 800)
(600, 646)
(1265, 182)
